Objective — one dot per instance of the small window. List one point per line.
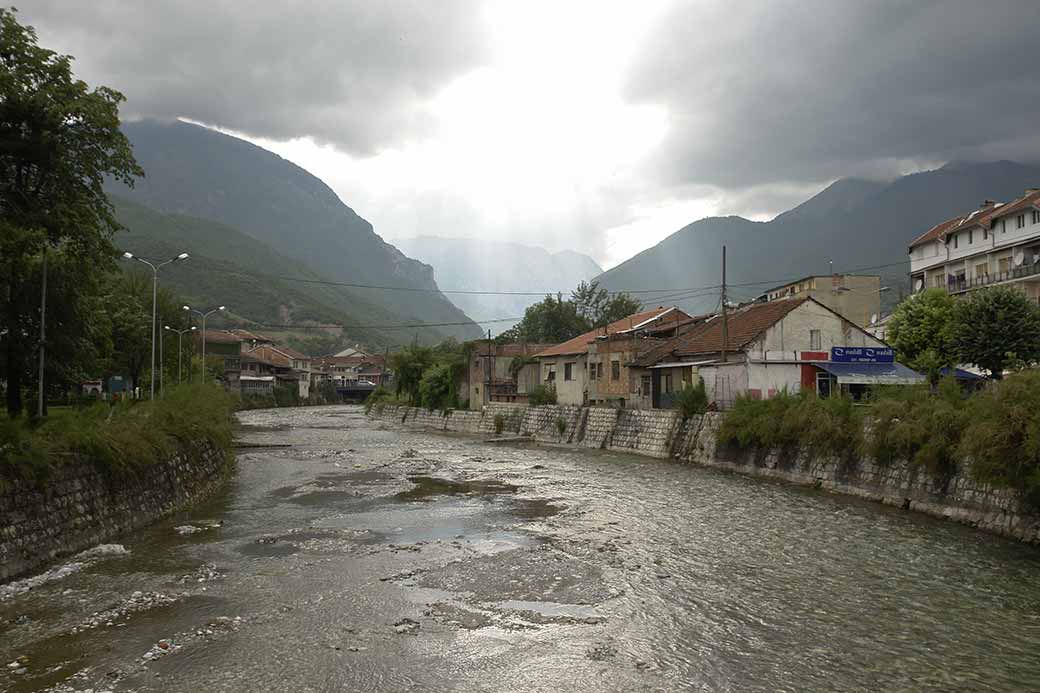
(551, 375)
(985, 233)
(971, 236)
(1021, 219)
(615, 370)
(646, 387)
(1036, 216)
(667, 382)
(592, 371)
(568, 371)
(599, 370)
(956, 238)
(814, 340)
(1003, 225)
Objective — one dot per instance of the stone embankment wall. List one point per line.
(77, 506)
(663, 434)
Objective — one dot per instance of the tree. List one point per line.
(58, 142)
(617, 307)
(995, 326)
(408, 366)
(921, 330)
(550, 321)
(589, 300)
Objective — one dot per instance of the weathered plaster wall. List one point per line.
(662, 433)
(78, 506)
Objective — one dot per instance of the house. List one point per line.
(499, 373)
(227, 347)
(251, 385)
(288, 367)
(856, 296)
(567, 366)
(998, 243)
(785, 344)
(344, 371)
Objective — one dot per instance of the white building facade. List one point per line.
(999, 243)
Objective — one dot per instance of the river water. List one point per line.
(365, 558)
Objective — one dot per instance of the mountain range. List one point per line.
(267, 233)
(854, 225)
(478, 265)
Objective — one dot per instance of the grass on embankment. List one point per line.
(126, 437)
(993, 435)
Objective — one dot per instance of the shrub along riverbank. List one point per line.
(126, 437)
(993, 435)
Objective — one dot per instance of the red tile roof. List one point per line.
(936, 231)
(221, 337)
(269, 355)
(1027, 201)
(743, 327)
(580, 344)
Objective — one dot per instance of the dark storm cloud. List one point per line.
(802, 90)
(355, 74)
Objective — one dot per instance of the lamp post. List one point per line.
(155, 287)
(180, 348)
(204, 314)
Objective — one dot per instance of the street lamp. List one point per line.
(180, 348)
(155, 287)
(204, 315)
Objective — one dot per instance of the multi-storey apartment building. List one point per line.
(998, 243)
(857, 297)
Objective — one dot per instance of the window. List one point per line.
(985, 233)
(615, 370)
(814, 340)
(645, 389)
(551, 375)
(1036, 217)
(687, 375)
(971, 236)
(1020, 220)
(982, 270)
(1004, 265)
(568, 371)
(592, 371)
(956, 237)
(667, 382)
(599, 370)
(1003, 225)
(937, 280)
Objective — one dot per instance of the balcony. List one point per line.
(957, 285)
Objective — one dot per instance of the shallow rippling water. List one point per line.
(367, 558)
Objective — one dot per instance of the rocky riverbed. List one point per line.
(364, 558)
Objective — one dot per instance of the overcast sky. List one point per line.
(597, 126)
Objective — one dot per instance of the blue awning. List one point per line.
(960, 374)
(871, 373)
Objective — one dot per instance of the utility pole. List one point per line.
(43, 331)
(487, 387)
(725, 317)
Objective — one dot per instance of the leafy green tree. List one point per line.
(996, 326)
(408, 366)
(58, 142)
(921, 330)
(437, 388)
(617, 307)
(551, 321)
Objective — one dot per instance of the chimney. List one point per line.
(987, 203)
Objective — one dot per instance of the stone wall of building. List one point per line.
(663, 433)
(78, 506)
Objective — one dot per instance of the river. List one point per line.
(358, 557)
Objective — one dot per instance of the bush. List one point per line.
(786, 422)
(691, 400)
(500, 424)
(119, 438)
(541, 395)
(1002, 437)
(379, 398)
(561, 425)
(922, 428)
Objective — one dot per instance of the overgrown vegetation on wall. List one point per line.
(691, 400)
(994, 435)
(125, 437)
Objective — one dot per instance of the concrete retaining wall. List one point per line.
(78, 506)
(662, 433)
